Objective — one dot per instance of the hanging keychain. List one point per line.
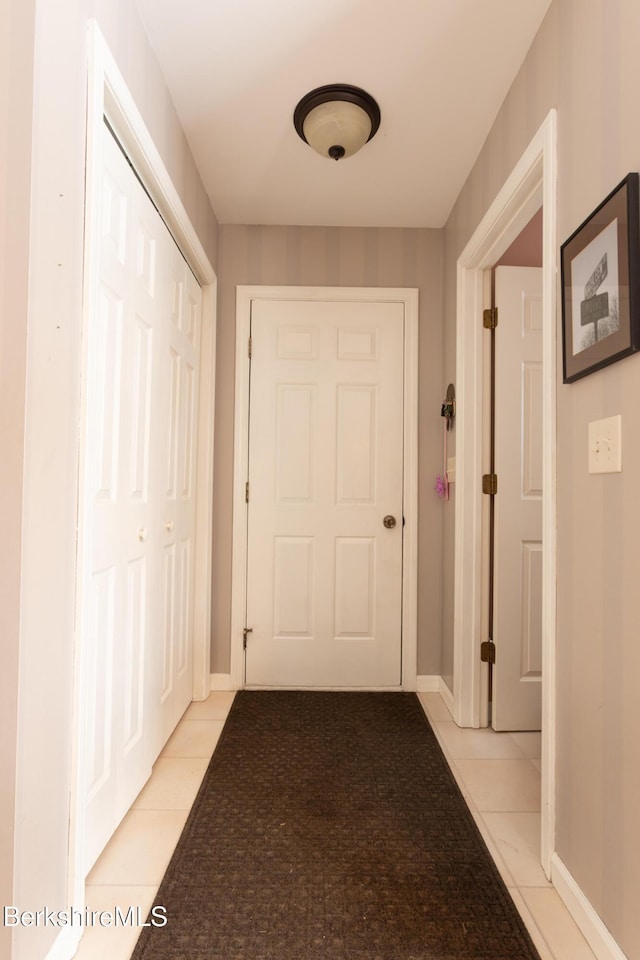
(442, 482)
(448, 411)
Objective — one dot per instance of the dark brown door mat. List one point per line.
(328, 825)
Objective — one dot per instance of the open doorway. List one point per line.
(531, 185)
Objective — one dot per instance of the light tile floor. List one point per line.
(129, 871)
(499, 776)
(498, 773)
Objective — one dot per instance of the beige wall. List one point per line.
(47, 336)
(127, 40)
(585, 63)
(16, 87)
(334, 256)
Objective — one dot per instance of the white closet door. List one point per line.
(180, 364)
(126, 527)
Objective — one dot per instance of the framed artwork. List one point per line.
(601, 284)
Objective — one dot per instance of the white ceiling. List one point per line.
(439, 70)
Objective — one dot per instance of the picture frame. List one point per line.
(600, 284)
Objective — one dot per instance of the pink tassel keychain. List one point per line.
(442, 482)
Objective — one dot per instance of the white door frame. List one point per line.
(531, 184)
(109, 96)
(409, 297)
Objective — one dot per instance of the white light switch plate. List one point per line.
(451, 469)
(605, 445)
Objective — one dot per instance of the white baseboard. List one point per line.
(424, 684)
(435, 684)
(447, 696)
(587, 919)
(65, 945)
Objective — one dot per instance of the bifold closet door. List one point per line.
(138, 518)
(179, 364)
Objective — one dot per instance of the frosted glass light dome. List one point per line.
(337, 120)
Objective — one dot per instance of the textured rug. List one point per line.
(329, 827)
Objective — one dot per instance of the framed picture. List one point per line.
(601, 284)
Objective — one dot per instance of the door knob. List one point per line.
(389, 522)
(168, 525)
(142, 533)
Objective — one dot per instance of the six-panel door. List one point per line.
(517, 674)
(324, 586)
(138, 491)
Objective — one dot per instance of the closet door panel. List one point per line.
(138, 507)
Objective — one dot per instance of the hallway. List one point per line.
(498, 774)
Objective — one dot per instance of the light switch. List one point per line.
(605, 445)
(451, 469)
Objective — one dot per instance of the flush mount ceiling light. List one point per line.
(336, 120)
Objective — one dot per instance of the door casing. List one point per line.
(409, 297)
(532, 184)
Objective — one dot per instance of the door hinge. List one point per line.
(488, 651)
(245, 634)
(490, 318)
(490, 483)
(246, 492)
(250, 348)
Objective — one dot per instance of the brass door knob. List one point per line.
(389, 522)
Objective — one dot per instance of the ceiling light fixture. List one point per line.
(336, 120)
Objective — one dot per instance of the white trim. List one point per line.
(108, 95)
(111, 95)
(432, 683)
(447, 696)
(204, 495)
(410, 540)
(328, 689)
(220, 681)
(408, 296)
(66, 944)
(586, 917)
(532, 184)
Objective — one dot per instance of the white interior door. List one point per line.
(517, 673)
(132, 514)
(179, 379)
(324, 573)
